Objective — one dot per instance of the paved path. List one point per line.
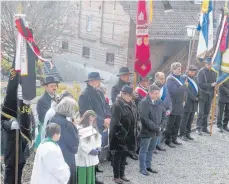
(202, 161)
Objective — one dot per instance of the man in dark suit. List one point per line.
(206, 79)
(44, 102)
(93, 99)
(190, 106)
(124, 79)
(177, 87)
(223, 107)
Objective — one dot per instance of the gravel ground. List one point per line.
(202, 161)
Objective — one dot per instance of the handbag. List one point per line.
(105, 152)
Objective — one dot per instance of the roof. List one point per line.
(170, 26)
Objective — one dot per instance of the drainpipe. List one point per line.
(102, 16)
(80, 12)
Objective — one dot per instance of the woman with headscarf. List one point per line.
(69, 135)
(122, 132)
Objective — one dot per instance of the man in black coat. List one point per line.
(206, 79)
(177, 87)
(124, 79)
(152, 115)
(190, 106)
(93, 99)
(44, 103)
(222, 121)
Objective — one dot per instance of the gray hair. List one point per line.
(175, 66)
(67, 107)
(158, 74)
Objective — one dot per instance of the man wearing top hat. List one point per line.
(124, 79)
(93, 99)
(190, 106)
(206, 79)
(142, 89)
(44, 102)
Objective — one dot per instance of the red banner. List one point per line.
(142, 53)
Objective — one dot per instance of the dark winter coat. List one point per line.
(92, 99)
(205, 78)
(152, 117)
(9, 138)
(167, 101)
(115, 91)
(177, 94)
(43, 105)
(123, 126)
(191, 103)
(224, 92)
(69, 140)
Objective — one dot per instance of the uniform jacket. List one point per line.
(9, 138)
(92, 99)
(49, 166)
(69, 138)
(205, 78)
(115, 91)
(177, 94)
(123, 127)
(43, 105)
(142, 92)
(83, 158)
(191, 103)
(167, 101)
(224, 92)
(152, 117)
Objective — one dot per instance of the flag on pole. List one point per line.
(205, 28)
(150, 11)
(220, 59)
(142, 51)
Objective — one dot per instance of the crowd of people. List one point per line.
(69, 148)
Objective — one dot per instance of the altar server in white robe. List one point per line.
(49, 165)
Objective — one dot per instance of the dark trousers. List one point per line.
(10, 174)
(172, 128)
(204, 110)
(118, 164)
(73, 176)
(223, 110)
(186, 123)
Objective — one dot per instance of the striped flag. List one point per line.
(220, 58)
(205, 28)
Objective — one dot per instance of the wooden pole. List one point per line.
(213, 109)
(135, 80)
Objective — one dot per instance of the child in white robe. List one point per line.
(49, 164)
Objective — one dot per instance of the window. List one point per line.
(86, 52)
(65, 45)
(197, 1)
(89, 24)
(110, 58)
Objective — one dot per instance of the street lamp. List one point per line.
(191, 31)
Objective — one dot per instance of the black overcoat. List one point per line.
(123, 126)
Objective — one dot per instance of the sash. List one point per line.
(179, 82)
(163, 93)
(193, 84)
(141, 91)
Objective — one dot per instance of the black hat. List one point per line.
(140, 79)
(192, 68)
(93, 76)
(127, 89)
(123, 71)
(50, 79)
(208, 60)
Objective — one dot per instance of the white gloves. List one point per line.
(15, 125)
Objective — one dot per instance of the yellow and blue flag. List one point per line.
(220, 59)
(205, 28)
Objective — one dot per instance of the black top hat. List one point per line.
(127, 89)
(93, 76)
(50, 79)
(123, 71)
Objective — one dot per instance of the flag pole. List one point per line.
(213, 109)
(20, 9)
